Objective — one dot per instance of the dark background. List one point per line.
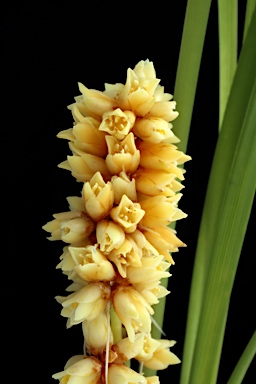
(48, 47)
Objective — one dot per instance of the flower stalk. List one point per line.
(118, 244)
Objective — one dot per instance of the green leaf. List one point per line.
(228, 30)
(217, 188)
(244, 362)
(192, 42)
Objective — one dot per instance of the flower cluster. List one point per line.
(118, 242)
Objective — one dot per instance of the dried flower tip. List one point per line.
(117, 123)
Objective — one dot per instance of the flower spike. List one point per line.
(118, 244)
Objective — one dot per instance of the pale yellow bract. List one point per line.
(118, 243)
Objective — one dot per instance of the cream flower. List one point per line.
(127, 350)
(133, 311)
(109, 235)
(122, 185)
(164, 239)
(117, 123)
(97, 333)
(85, 304)
(98, 197)
(91, 264)
(154, 130)
(127, 214)
(80, 370)
(127, 254)
(121, 374)
(122, 155)
(156, 354)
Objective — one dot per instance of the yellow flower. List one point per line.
(154, 130)
(83, 165)
(162, 157)
(127, 214)
(70, 227)
(122, 185)
(133, 311)
(122, 155)
(80, 370)
(121, 374)
(98, 197)
(85, 304)
(94, 103)
(151, 182)
(163, 109)
(91, 264)
(164, 239)
(86, 136)
(117, 123)
(97, 333)
(109, 235)
(159, 210)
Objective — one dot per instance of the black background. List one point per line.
(48, 47)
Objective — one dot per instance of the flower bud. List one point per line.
(85, 370)
(123, 155)
(127, 214)
(117, 123)
(91, 264)
(109, 235)
(85, 304)
(133, 311)
(164, 109)
(98, 197)
(96, 334)
(122, 185)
